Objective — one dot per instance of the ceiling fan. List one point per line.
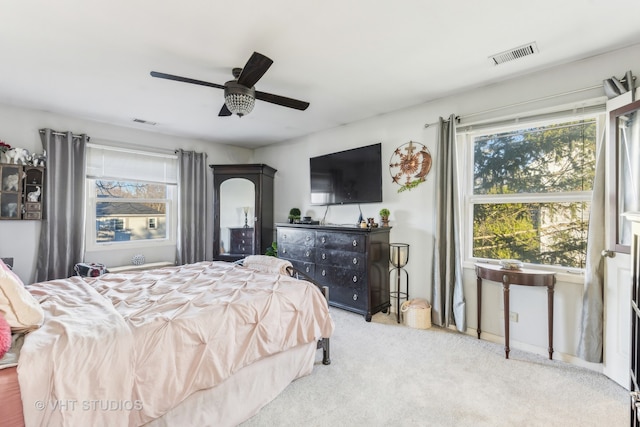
(240, 93)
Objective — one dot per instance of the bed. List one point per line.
(202, 344)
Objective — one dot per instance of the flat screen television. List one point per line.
(350, 176)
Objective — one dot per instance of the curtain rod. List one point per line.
(517, 104)
(53, 132)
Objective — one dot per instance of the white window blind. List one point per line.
(125, 164)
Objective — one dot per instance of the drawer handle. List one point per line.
(307, 254)
(355, 279)
(324, 273)
(355, 297)
(284, 251)
(308, 269)
(308, 238)
(355, 243)
(324, 256)
(324, 239)
(355, 261)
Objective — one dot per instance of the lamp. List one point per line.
(246, 212)
(239, 99)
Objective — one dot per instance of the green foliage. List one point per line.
(294, 213)
(384, 212)
(549, 160)
(272, 250)
(411, 185)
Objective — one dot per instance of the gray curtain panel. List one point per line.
(192, 209)
(591, 326)
(448, 306)
(62, 232)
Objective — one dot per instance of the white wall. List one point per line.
(412, 216)
(411, 211)
(19, 128)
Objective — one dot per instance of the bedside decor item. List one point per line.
(409, 165)
(511, 264)
(138, 259)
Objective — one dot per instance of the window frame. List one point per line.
(468, 199)
(171, 201)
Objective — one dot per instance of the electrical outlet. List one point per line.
(513, 316)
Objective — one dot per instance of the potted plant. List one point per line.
(384, 216)
(294, 215)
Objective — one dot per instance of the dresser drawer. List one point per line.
(349, 297)
(351, 260)
(307, 268)
(297, 252)
(339, 277)
(342, 241)
(296, 237)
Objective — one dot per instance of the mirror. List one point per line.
(237, 216)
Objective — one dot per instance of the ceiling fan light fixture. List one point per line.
(239, 99)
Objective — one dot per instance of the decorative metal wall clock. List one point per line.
(409, 165)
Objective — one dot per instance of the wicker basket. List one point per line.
(416, 313)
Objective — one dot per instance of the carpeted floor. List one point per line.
(385, 374)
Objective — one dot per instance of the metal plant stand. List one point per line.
(399, 257)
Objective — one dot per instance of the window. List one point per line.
(528, 196)
(130, 197)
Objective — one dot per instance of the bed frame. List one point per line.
(323, 343)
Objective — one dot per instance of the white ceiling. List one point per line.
(351, 59)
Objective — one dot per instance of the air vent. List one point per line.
(145, 122)
(515, 53)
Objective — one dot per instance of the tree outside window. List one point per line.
(531, 193)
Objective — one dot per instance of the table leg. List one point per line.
(550, 319)
(479, 282)
(505, 291)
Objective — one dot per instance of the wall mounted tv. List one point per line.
(351, 176)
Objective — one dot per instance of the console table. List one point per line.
(352, 262)
(525, 277)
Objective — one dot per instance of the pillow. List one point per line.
(5, 336)
(267, 264)
(20, 308)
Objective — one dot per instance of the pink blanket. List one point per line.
(123, 349)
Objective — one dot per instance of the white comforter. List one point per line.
(123, 349)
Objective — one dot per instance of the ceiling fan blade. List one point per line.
(224, 111)
(282, 100)
(254, 69)
(184, 79)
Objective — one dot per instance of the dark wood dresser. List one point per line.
(353, 262)
(241, 240)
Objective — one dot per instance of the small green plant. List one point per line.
(384, 213)
(294, 214)
(272, 250)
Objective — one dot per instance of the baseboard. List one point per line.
(514, 344)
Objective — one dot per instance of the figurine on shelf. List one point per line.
(33, 196)
(17, 155)
(37, 159)
(10, 182)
